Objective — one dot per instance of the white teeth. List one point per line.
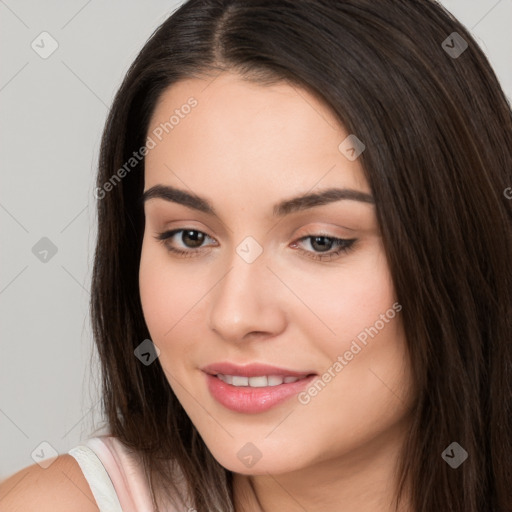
(275, 380)
(240, 381)
(256, 382)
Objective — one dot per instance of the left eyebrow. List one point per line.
(286, 207)
(330, 195)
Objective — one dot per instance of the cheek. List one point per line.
(367, 373)
(348, 300)
(165, 293)
(171, 304)
(152, 286)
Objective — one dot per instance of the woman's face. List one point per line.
(303, 287)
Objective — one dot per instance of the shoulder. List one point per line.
(60, 487)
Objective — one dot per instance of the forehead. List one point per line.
(227, 133)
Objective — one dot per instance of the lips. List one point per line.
(253, 388)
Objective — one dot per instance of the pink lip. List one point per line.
(250, 400)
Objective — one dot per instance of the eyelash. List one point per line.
(345, 245)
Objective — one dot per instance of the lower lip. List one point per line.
(250, 400)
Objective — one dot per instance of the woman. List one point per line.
(302, 291)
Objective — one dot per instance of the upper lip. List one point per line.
(251, 370)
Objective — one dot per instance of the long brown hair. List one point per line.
(438, 134)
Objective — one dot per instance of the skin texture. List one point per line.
(61, 487)
(245, 147)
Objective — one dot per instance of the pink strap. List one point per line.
(126, 472)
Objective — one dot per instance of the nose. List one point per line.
(246, 303)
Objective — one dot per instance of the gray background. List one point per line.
(51, 117)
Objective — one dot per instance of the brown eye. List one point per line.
(325, 248)
(195, 237)
(321, 243)
(184, 242)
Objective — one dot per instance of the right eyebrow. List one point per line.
(179, 196)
